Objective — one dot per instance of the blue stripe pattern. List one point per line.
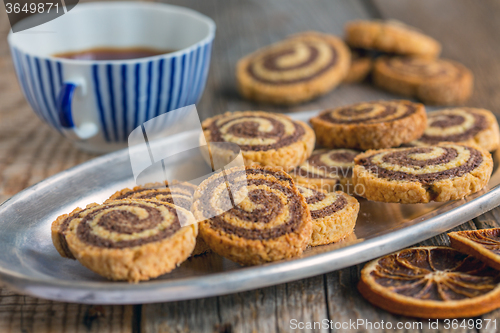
(148, 91)
(124, 102)
(160, 87)
(112, 109)
(125, 95)
(100, 107)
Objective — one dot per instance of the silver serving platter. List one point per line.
(30, 264)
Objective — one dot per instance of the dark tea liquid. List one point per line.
(112, 53)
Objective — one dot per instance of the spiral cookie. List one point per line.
(334, 215)
(434, 81)
(327, 170)
(361, 66)
(295, 70)
(269, 221)
(266, 139)
(177, 193)
(128, 239)
(391, 37)
(370, 125)
(421, 174)
(461, 125)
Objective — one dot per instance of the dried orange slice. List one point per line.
(431, 282)
(483, 244)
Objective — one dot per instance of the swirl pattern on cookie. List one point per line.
(461, 125)
(369, 112)
(264, 138)
(269, 211)
(334, 214)
(130, 239)
(178, 193)
(295, 70)
(123, 224)
(441, 173)
(322, 204)
(256, 131)
(424, 165)
(292, 61)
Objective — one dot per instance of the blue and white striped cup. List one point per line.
(96, 104)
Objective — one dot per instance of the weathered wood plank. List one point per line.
(27, 314)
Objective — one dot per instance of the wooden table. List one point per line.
(30, 151)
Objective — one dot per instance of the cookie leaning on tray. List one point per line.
(129, 240)
(264, 219)
(461, 125)
(176, 193)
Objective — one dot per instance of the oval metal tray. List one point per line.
(30, 264)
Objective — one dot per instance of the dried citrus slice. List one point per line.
(483, 244)
(431, 282)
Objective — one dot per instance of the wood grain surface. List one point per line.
(30, 151)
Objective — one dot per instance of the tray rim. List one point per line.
(242, 279)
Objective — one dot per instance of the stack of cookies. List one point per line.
(402, 60)
(407, 62)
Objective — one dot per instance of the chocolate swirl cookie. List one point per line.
(266, 139)
(260, 217)
(392, 37)
(334, 215)
(295, 70)
(434, 81)
(129, 240)
(370, 125)
(461, 125)
(422, 174)
(328, 170)
(176, 193)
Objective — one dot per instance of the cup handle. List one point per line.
(64, 109)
